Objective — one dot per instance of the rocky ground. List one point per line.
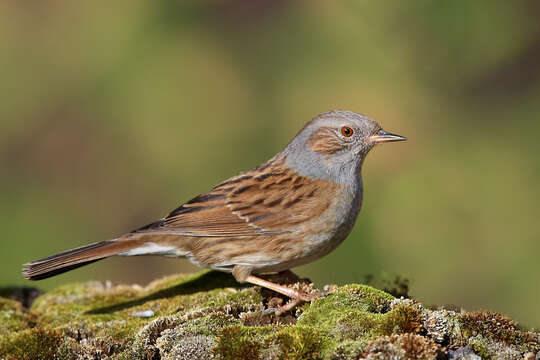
(209, 316)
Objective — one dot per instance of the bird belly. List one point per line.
(319, 237)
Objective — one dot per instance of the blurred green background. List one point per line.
(114, 113)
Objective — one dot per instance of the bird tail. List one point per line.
(74, 258)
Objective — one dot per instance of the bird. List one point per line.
(291, 210)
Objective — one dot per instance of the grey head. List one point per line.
(333, 146)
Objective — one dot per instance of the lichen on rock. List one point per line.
(209, 316)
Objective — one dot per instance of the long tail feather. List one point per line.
(74, 258)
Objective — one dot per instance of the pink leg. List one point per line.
(243, 274)
(297, 297)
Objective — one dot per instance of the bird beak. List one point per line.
(383, 136)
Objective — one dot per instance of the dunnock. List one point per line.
(289, 211)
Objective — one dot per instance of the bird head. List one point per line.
(334, 144)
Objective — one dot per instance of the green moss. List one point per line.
(272, 341)
(406, 346)
(209, 325)
(100, 310)
(12, 316)
(357, 312)
(299, 342)
(31, 344)
(144, 343)
(170, 293)
(480, 347)
(10, 305)
(193, 333)
(496, 327)
(209, 315)
(349, 349)
(184, 335)
(240, 342)
(371, 299)
(401, 320)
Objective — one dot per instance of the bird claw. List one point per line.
(270, 311)
(316, 295)
(302, 297)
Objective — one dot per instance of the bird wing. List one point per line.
(264, 200)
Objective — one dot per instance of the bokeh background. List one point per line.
(114, 113)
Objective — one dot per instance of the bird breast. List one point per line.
(329, 229)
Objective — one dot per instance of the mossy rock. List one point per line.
(209, 316)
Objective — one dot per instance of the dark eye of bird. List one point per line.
(381, 132)
(346, 131)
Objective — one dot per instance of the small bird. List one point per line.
(289, 211)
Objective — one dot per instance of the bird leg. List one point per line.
(243, 275)
(297, 297)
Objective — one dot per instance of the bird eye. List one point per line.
(346, 131)
(381, 132)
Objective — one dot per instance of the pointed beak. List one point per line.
(383, 136)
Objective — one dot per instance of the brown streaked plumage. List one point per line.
(325, 140)
(288, 211)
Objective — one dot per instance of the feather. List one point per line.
(253, 203)
(74, 258)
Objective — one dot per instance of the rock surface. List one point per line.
(209, 316)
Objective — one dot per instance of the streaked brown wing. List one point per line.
(265, 200)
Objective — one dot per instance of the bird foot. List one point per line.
(296, 296)
(300, 298)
